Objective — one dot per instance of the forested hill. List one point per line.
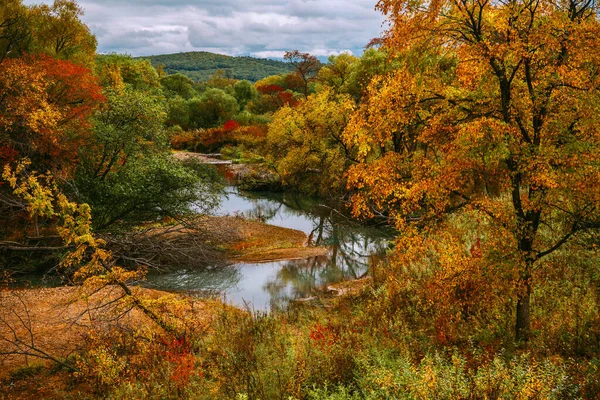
(200, 65)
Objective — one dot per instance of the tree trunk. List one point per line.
(523, 323)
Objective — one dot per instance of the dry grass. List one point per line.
(53, 323)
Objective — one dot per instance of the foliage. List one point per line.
(474, 128)
(350, 75)
(305, 66)
(127, 173)
(205, 140)
(213, 108)
(44, 106)
(305, 143)
(220, 80)
(244, 93)
(272, 97)
(60, 33)
(117, 70)
(246, 118)
(493, 113)
(15, 31)
(54, 30)
(178, 85)
(178, 112)
(338, 72)
(147, 189)
(43, 199)
(199, 66)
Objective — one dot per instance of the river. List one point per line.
(272, 285)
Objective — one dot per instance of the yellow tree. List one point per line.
(495, 111)
(305, 144)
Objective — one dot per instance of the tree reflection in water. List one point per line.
(350, 251)
(210, 281)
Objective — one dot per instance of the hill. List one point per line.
(200, 65)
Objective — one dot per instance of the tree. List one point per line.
(117, 70)
(337, 72)
(221, 79)
(494, 111)
(60, 33)
(44, 108)
(127, 173)
(54, 30)
(371, 63)
(15, 30)
(306, 67)
(244, 92)
(178, 112)
(86, 259)
(178, 85)
(212, 109)
(305, 143)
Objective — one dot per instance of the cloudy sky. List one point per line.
(260, 28)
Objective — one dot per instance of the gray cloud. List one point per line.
(262, 28)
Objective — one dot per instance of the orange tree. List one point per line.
(44, 108)
(494, 112)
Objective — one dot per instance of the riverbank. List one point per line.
(247, 176)
(53, 323)
(246, 240)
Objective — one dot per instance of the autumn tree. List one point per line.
(306, 67)
(221, 79)
(118, 70)
(44, 108)
(493, 112)
(55, 30)
(305, 143)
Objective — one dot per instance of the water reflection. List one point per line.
(268, 286)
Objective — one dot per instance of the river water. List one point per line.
(272, 285)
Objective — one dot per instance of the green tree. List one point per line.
(178, 112)
(127, 172)
(373, 62)
(244, 92)
(178, 85)
(338, 72)
(212, 109)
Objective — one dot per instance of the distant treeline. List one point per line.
(199, 66)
